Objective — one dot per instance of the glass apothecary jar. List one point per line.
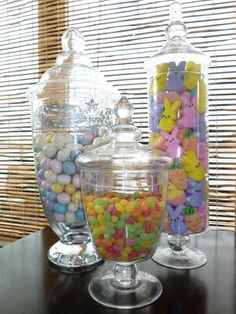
(178, 124)
(124, 191)
(71, 110)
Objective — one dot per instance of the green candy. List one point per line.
(110, 225)
(120, 224)
(107, 216)
(137, 225)
(101, 202)
(151, 201)
(137, 232)
(152, 236)
(93, 220)
(131, 229)
(124, 216)
(136, 195)
(136, 247)
(144, 236)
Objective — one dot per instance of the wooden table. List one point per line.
(29, 286)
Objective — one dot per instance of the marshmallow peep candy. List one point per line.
(178, 126)
(124, 227)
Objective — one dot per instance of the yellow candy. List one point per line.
(119, 207)
(124, 254)
(89, 198)
(70, 189)
(57, 187)
(159, 80)
(101, 219)
(192, 166)
(90, 206)
(99, 209)
(76, 197)
(169, 115)
(141, 219)
(101, 230)
(192, 75)
(127, 249)
(173, 191)
(102, 251)
(202, 97)
(114, 218)
(50, 138)
(156, 139)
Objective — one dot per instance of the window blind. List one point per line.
(120, 36)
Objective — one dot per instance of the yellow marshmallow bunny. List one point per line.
(192, 166)
(169, 115)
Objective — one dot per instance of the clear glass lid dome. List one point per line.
(73, 76)
(177, 48)
(124, 152)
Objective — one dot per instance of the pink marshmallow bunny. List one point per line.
(188, 112)
(172, 142)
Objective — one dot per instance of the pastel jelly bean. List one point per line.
(119, 228)
(64, 179)
(69, 167)
(59, 179)
(56, 166)
(63, 198)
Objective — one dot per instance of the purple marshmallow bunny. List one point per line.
(176, 77)
(177, 224)
(195, 192)
(201, 128)
(155, 113)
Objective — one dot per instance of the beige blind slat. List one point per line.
(120, 36)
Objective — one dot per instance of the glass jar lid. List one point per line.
(177, 48)
(124, 153)
(73, 76)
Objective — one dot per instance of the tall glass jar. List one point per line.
(178, 122)
(72, 107)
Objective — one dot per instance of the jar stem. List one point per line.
(125, 275)
(178, 242)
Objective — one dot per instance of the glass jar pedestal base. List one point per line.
(125, 288)
(71, 258)
(179, 254)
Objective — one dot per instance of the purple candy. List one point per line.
(195, 192)
(176, 77)
(177, 224)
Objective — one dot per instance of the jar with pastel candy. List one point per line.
(178, 121)
(124, 192)
(71, 110)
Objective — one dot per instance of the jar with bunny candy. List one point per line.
(71, 109)
(177, 90)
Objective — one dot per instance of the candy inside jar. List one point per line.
(71, 111)
(124, 192)
(178, 125)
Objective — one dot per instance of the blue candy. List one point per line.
(41, 173)
(51, 196)
(79, 214)
(60, 208)
(69, 167)
(49, 206)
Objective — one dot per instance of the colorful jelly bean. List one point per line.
(124, 227)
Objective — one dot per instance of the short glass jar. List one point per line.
(124, 192)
